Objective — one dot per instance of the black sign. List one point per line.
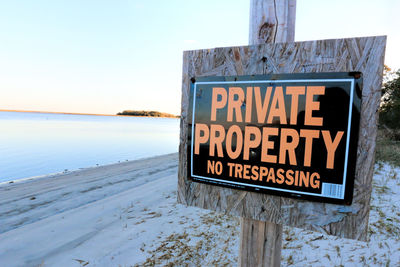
(289, 134)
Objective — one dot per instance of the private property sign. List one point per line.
(293, 135)
(266, 128)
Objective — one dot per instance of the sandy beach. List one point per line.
(126, 214)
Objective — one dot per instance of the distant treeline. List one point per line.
(144, 113)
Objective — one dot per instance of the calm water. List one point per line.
(34, 144)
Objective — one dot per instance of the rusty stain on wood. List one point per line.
(339, 55)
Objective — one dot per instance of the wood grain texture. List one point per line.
(261, 243)
(272, 21)
(339, 55)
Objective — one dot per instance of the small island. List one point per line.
(143, 113)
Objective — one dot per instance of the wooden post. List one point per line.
(260, 243)
(270, 21)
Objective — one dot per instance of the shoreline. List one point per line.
(63, 173)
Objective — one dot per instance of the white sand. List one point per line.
(126, 214)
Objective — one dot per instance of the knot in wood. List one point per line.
(267, 32)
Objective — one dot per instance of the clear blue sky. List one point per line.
(107, 56)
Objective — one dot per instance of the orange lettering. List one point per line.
(198, 138)
(309, 135)
(246, 170)
(238, 170)
(304, 179)
(210, 166)
(288, 146)
(263, 172)
(277, 100)
(217, 104)
(262, 108)
(314, 180)
(216, 141)
(254, 171)
(235, 104)
(289, 177)
(294, 91)
(234, 129)
(266, 145)
(331, 147)
(313, 105)
(271, 175)
(279, 173)
(218, 167)
(249, 102)
(249, 142)
(230, 168)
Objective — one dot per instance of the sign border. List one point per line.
(261, 79)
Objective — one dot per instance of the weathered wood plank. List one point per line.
(266, 251)
(300, 57)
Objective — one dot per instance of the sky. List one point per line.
(98, 56)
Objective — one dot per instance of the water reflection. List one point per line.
(36, 144)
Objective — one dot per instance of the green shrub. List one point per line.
(389, 112)
(387, 149)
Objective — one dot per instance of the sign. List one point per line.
(319, 63)
(291, 135)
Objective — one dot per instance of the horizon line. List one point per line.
(66, 113)
(57, 112)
